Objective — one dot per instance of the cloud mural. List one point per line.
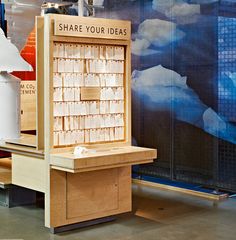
(140, 47)
(178, 10)
(156, 32)
(183, 10)
(164, 89)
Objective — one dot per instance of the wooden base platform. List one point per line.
(208, 196)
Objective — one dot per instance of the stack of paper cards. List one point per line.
(109, 52)
(57, 95)
(119, 53)
(55, 65)
(91, 80)
(57, 80)
(78, 66)
(58, 123)
(116, 107)
(58, 50)
(68, 52)
(86, 65)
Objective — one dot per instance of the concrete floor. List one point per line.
(157, 215)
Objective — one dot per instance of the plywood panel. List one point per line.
(93, 192)
(28, 172)
(118, 33)
(125, 191)
(28, 105)
(57, 199)
(78, 197)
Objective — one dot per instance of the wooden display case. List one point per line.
(86, 81)
(83, 99)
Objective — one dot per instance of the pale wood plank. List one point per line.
(103, 157)
(28, 172)
(40, 82)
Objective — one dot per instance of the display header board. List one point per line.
(93, 27)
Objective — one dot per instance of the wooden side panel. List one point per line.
(125, 192)
(86, 196)
(90, 193)
(28, 172)
(57, 198)
(28, 105)
(128, 94)
(40, 81)
(47, 103)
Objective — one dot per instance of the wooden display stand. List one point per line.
(84, 99)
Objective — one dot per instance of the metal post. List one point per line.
(81, 8)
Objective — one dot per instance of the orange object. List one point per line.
(5, 163)
(29, 54)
